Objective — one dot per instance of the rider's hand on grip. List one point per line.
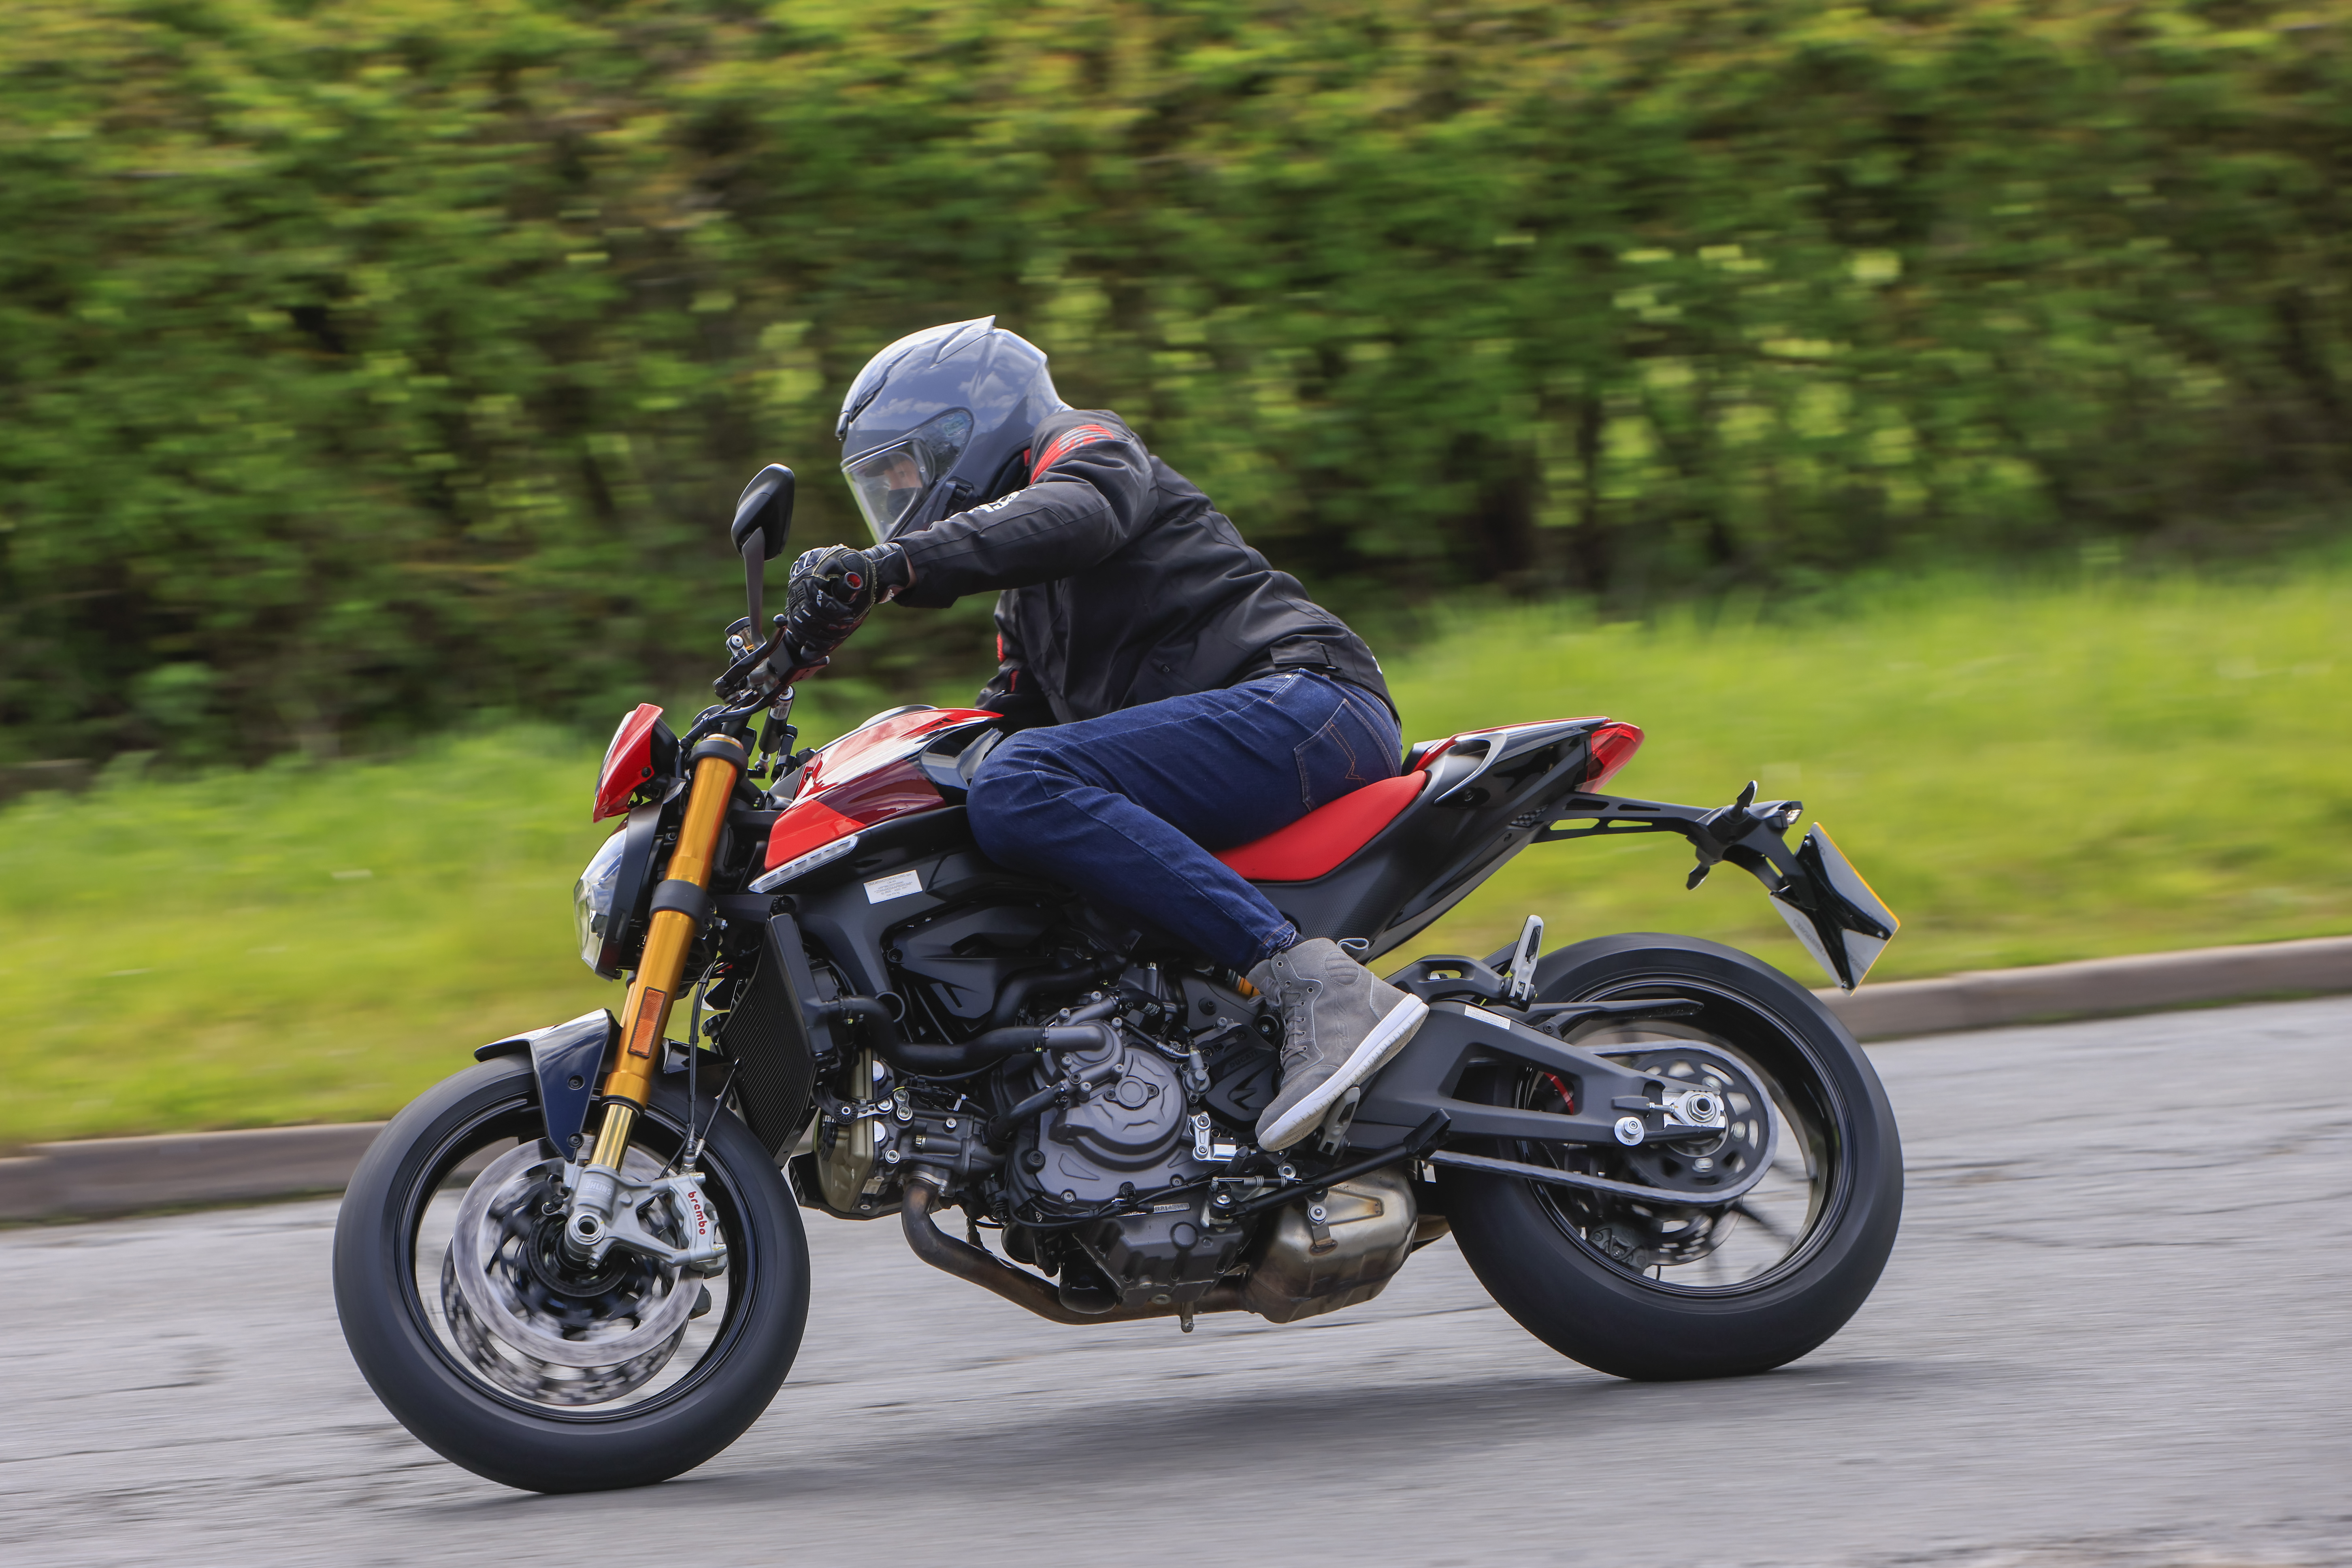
(832, 590)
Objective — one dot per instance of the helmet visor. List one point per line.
(889, 481)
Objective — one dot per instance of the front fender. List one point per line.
(567, 1061)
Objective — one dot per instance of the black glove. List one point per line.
(832, 590)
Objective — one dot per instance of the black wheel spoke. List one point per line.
(1808, 1167)
(1691, 1245)
(1776, 1232)
(533, 1289)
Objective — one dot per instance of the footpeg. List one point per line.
(1523, 961)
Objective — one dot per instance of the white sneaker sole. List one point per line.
(1387, 1038)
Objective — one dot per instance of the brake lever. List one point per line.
(739, 675)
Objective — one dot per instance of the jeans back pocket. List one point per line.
(1350, 749)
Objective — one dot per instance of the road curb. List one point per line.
(2143, 982)
(100, 1176)
(120, 1176)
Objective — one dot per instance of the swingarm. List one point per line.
(1608, 1104)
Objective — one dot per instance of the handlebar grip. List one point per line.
(795, 663)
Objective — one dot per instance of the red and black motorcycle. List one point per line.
(580, 1264)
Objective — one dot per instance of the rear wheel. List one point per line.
(1666, 1288)
(475, 1332)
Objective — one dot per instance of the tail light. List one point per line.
(1613, 746)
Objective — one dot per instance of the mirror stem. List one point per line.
(754, 588)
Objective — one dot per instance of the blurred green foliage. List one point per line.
(367, 363)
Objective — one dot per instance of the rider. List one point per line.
(1173, 689)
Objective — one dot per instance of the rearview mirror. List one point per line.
(765, 512)
(763, 518)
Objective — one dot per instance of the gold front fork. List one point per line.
(668, 938)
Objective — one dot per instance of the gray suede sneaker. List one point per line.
(1339, 1026)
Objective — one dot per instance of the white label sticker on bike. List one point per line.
(1493, 1020)
(882, 889)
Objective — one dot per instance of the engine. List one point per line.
(1134, 1132)
(1098, 1155)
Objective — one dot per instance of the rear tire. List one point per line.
(384, 1278)
(1531, 1246)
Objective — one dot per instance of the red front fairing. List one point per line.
(628, 762)
(867, 776)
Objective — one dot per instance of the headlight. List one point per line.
(593, 897)
(608, 902)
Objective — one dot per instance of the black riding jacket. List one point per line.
(1118, 583)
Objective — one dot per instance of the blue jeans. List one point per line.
(1119, 808)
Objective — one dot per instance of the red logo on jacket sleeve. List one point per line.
(1067, 442)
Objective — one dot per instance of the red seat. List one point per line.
(1322, 838)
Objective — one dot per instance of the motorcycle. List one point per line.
(580, 1264)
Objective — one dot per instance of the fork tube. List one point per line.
(718, 762)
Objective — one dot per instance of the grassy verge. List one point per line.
(2026, 775)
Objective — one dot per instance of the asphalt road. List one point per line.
(2117, 1331)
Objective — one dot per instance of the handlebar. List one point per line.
(758, 679)
(745, 673)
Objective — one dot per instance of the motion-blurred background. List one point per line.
(1939, 411)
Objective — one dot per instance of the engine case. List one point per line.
(1159, 1258)
(1130, 1136)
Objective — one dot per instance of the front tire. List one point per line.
(1589, 1276)
(429, 1365)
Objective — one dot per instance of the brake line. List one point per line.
(692, 1149)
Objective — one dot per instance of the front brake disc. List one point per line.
(532, 1324)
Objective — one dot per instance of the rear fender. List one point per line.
(567, 1063)
(1828, 907)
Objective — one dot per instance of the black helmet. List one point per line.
(937, 422)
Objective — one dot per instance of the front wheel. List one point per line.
(477, 1332)
(1660, 1290)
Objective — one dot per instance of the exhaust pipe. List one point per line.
(1019, 1286)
